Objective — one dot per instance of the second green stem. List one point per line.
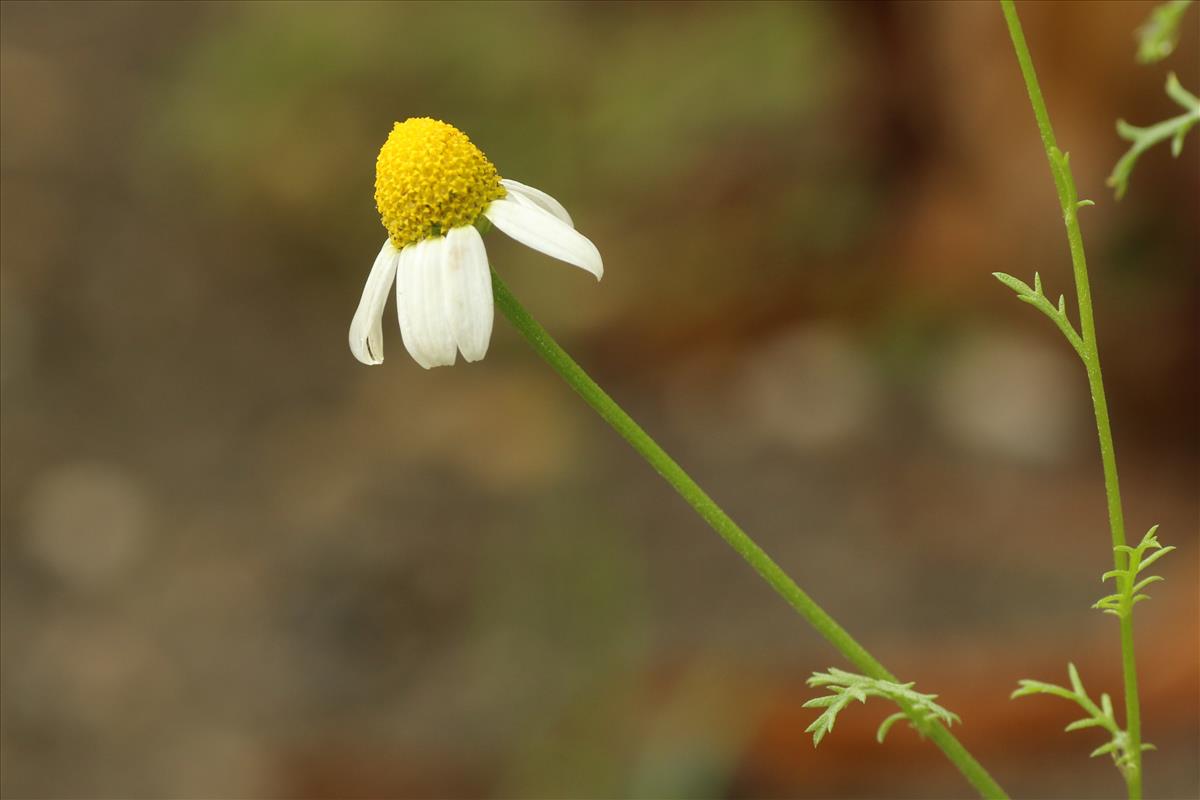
(719, 521)
(1068, 200)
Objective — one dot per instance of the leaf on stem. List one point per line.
(1099, 716)
(1129, 587)
(887, 724)
(1034, 296)
(1159, 34)
(1142, 139)
(920, 709)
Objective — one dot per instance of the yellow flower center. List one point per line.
(429, 178)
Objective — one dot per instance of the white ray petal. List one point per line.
(424, 325)
(538, 198)
(439, 331)
(468, 288)
(543, 231)
(366, 329)
(411, 313)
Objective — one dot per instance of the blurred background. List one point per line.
(238, 564)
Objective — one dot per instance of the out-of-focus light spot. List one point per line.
(811, 388)
(87, 522)
(1008, 396)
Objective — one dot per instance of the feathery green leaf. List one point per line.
(920, 709)
(1159, 34)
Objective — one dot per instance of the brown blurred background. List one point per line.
(238, 564)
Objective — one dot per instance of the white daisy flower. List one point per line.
(433, 187)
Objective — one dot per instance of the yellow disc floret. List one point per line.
(429, 178)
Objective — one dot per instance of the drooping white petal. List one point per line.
(468, 287)
(543, 231)
(424, 325)
(410, 313)
(366, 329)
(538, 198)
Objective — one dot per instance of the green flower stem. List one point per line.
(720, 522)
(1067, 197)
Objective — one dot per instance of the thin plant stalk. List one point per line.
(1068, 200)
(734, 536)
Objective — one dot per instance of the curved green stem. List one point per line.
(720, 522)
(1068, 200)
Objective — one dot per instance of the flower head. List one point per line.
(432, 186)
(430, 179)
